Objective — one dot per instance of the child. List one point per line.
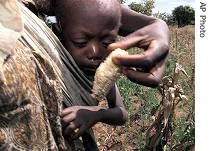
(87, 30)
(138, 30)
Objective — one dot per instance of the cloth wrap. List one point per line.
(37, 77)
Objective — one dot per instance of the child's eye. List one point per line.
(80, 44)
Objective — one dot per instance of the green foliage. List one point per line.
(136, 7)
(168, 18)
(127, 89)
(145, 7)
(122, 1)
(181, 16)
(184, 15)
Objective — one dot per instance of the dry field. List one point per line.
(147, 112)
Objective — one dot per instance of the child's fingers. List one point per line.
(70, 129)
(67, 111)
(80, 131)
(67, 119)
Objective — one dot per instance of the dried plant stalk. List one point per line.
(172, 93)
(106, 74)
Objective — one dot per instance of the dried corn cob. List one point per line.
(106, 74)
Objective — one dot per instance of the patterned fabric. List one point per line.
(37, 74)
(30, 89)
(26, 123)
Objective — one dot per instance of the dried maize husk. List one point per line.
(106, 74)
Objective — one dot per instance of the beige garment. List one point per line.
(34, 82)
(30, 87)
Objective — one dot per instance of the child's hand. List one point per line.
(77, 119)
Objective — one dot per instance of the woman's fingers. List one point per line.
(146, 60)
(126, 43)
(151, 79)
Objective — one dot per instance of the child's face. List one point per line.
(87, 36)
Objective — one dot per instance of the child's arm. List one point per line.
(116, 113)
(82, 118)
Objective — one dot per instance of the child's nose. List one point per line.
(95, 52)
(94, 49)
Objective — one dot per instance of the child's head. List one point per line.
(88, 27)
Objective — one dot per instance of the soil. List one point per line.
(119, 138)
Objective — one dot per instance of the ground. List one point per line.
(119, 138)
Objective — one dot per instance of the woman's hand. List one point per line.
(150, 34)
(76, 119)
